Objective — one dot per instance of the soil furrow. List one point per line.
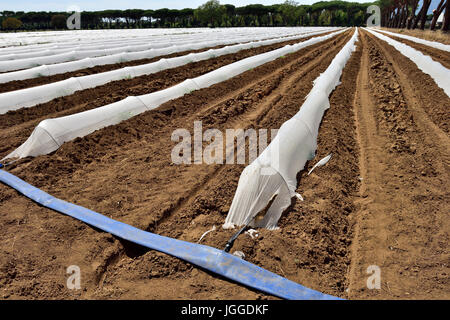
(381, 202)
(311, 247)
(433, 100)
(401, 226)
(278, 91)
(133, 189)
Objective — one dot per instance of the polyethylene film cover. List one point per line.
(146, 69)
(96, 119)
(312, 110)
(292, 147)
(257, 185)
(116, 58)
(23, 98)
(7, 57)
(70, 66)
(176, 62)
(155, 99)
(94, 80)
(287, 154)
(272, 174)
(39, 142)
(213, 77)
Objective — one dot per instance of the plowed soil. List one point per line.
(381, 200)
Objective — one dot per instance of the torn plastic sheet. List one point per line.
(252, 233)
(321, 163)
(239, 254)
(205, 233)
(274, 172)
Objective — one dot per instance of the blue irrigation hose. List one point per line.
(206, 257)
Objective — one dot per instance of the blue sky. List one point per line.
(92, 5)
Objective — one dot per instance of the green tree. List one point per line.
(301, 16)
(359, 18)
(59, 21)
(161, 15)
(324, 18)
(210, 13)
(289, 12)
(11, 23)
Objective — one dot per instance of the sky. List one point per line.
(93, 5)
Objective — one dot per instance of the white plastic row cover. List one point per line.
(50, 134)
(26, 41)
(93, 51)
(99, 44)
(433, 44)
(74, 55)
(115, 42)
(273, 175)
(125, 45)
(63, 67)
(35, 95)
(439, 73)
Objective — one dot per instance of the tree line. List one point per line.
(402, 14)
(210, 14)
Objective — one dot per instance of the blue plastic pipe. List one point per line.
(206, 257)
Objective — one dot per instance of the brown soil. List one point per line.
(402, 222)
(433, 99)
(150, 205)
(381, 200)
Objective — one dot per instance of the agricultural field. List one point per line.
(93, 118)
